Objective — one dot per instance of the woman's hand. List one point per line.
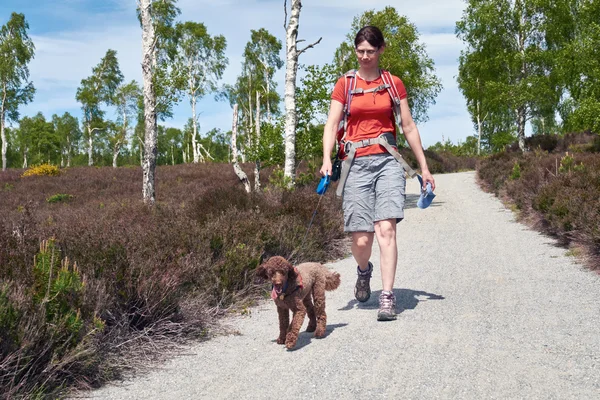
(326, 167)
(427, 177)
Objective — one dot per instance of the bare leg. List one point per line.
(362, 243)
(388, 249)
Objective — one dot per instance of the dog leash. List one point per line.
(321, 189)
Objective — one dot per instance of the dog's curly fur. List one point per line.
(316, 279)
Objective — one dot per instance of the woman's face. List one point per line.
(368, 55)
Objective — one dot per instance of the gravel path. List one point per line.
(489, 310)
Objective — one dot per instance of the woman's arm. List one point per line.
(336, 113)
(414, 140)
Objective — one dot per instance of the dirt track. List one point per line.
(488, 310)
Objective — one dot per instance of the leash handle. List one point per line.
(323, 185)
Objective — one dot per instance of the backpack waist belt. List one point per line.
(386, 140)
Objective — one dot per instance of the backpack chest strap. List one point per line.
(372, 90)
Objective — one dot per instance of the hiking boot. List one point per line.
(387, 307)
(362, 289)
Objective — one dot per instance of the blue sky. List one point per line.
(72, 35)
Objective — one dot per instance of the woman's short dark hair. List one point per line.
(371, 34)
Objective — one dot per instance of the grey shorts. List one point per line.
(375, 190)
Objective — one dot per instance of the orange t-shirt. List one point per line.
(371, 114)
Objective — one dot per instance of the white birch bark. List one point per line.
(257, 162)
(194, 121)
(25, 152)
(521, 111)
(479, 128)
(151, 130)
(119, 142)
(291, 69)
(236, 166)
(69, 150)
(90, 145)
(2, 127)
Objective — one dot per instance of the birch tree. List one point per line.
(156, 19)
(236, 165)
(291, 70)
(16, 51)
(199, 64)
(261, 61)
(95, 90)
(126, 102)
(512, 34)
(69, 134)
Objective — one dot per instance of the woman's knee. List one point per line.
(362, 240)
(386, 231)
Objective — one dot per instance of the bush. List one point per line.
(42, 170)
(153, 274)
(558, 194)
(59, 197)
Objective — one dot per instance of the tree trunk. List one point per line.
(172, 155)
(120, 140)
(90, 145)
(194, 130)
(2, 126)
(69, 149)
(521, 108)
(257, 149)
(25, 152)
(478, 129)
(151, 129)
(116, 150)
(236, 166)
(521, 119)
(291, 70)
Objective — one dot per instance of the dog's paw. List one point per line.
(290, 341)
(311, 328)
(290, 345)
(280, 340)
(320, 332)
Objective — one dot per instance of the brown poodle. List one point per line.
(292, 289)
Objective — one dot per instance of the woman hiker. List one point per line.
(374, 189)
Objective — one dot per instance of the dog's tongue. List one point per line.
(273, 294)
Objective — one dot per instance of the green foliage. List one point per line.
(59, 198)
(96, 89)
(9, 318)
(16, 51)
(568, 164)
(279, 180)
(58, 287)
(507, 64)
(516, 171)
(405, 56)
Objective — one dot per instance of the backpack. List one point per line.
(350, 86)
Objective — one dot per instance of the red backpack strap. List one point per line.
(349, 86)
(388, 80)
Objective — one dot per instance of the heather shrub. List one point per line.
(559, 194)
(516, 171)
(143, 274)
(59, 197)
(42, 170)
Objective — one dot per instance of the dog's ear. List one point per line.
(261, 272)
(292, 275)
